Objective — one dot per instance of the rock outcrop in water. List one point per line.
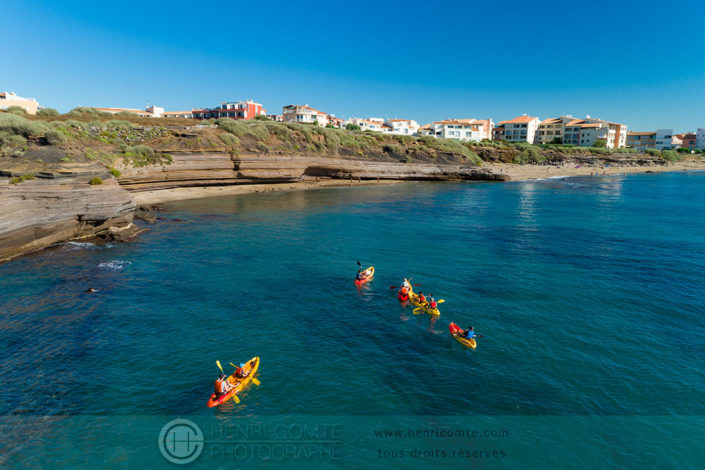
(38, 213)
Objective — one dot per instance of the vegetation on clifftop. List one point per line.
(86, 134)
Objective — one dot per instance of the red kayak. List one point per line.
(402, 297)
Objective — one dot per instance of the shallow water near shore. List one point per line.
(588, 292)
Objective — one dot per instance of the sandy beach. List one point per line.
(147, 198)
(530, 172)
(516, 172)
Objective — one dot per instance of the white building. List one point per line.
(370, 124)
(700, 138)
(304, 114)
(403, 126)
(467, 130)
(520, 129)
(150, 111)
(586, 132)
(664, 138)
(9, 98)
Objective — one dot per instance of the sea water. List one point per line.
(588, 293)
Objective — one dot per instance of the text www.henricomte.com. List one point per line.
(425, 433)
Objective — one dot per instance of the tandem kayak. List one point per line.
(369, 274)
(455, 331)
(415, 300)
(251, 369)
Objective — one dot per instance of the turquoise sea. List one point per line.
(588, 291)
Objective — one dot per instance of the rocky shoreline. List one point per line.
(59, 205)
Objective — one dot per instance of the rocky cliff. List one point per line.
(38, 213)
(221, 168)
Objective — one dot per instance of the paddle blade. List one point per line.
(440, 301)
(219, 366)
(392, 287)
(359, 264)
(237, 400)
(255, 381)
(233, 365)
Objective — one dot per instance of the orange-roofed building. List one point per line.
(686, 140)
(403, 126)
(304, 114)
(467, 130)
(586, 132)
(520, 129)
(551, 130)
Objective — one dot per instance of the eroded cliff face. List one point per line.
(220, 168)
(38, 213)
(60, 205)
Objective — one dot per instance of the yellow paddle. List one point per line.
(254, 380)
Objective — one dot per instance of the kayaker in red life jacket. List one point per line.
(403, 291)
(240, 371)
(222, 386)
(422, 298)
(432, 302)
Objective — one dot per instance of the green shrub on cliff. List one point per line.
(671, 155)
(21, 179)
(352, 127)
(47, 112)
(18, 125)
(115, 172)
(95, 181)
(229, 139)
(142, 155)
(529, 155)
(19, 110)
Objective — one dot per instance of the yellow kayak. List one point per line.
(455, 333)
(369, 274)
(415, 300)
(239, 384)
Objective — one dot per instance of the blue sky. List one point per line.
(640, 63)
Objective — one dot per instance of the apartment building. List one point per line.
(520, 129)
(9, 98)
(551, 130)
(641, 140)
(456, 129)
(370, 124)
(403, 126)
(586, 132)
(664, 138)
(150, 111)
(700, 139)
(247, 109)
(686, 140)
(304, 114)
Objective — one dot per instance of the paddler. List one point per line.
(222, 386)
(432, 302)
(359, 276)
(240, 371)
(468, 333)
(422, 298)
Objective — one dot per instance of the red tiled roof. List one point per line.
(519, 120)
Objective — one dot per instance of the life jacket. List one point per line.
(403, 291)
(422, 298)
(219, 386)
(433, 304)
(239, 372)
